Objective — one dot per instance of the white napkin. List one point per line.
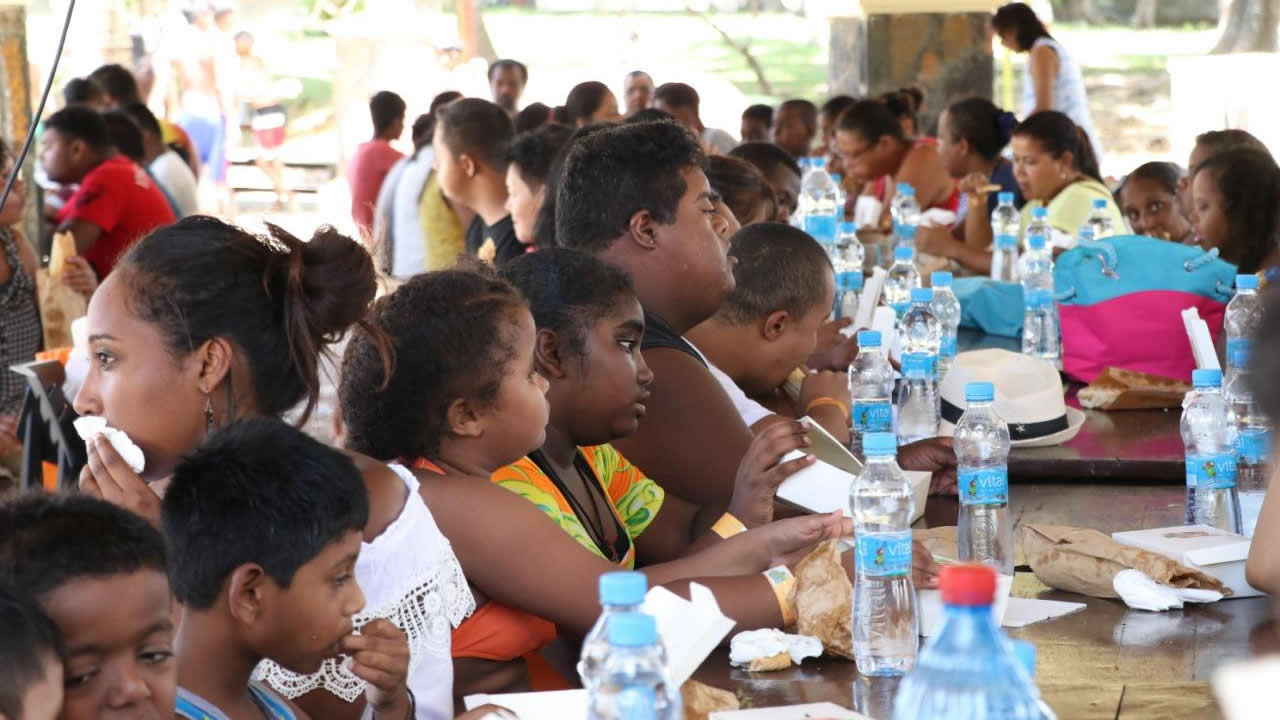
(90, 426)
(1140, 592)
(937, 217)
(755, 644)
(866, 211)
(1201, 341)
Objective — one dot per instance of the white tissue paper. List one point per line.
(937, 217)
(1140, 592)
(1201, 340)
(91, 426)
(866, 211)
(755, 644)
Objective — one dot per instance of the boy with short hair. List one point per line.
(681, 102)
(30, 660)
(784, 289)
(372, 160)
(795, 126)
(99, 572)
(780, 169)
(757, 123)
(471, 140)
(266, 524)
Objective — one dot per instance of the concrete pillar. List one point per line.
(942, 46)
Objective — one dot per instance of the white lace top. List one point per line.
(410, 576)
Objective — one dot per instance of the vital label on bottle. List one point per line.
(872, 417)
(1211, 472)
(884, 554)
(984, 486)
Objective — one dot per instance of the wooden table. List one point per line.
(1105, 662)
(1130, 446)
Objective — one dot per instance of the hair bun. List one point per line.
(329, 280)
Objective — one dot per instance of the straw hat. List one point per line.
(1029, 396)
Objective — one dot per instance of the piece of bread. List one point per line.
(1120, 389)
(64, 246)
(781, 661)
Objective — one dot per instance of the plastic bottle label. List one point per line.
(1036, 299)
(849, 280)
(984, 486)
(948, 347)
(1238, 352)
(1253, 445)
(821, 227)
(1211, 472)
(637, 702)
(885, 554)
(1006, 242)
(872, 417)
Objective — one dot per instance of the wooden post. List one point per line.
(16, 106)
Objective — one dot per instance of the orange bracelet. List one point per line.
(824, 401)
(728, 526)
(783, 584)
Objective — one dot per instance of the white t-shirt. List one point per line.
(176, 177)
(751, 411)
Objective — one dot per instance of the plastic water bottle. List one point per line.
(620, 592)
(1209, 436)
(921, 329)
(633, 679)
(870, 389)
(1244, 315)
(1039, 225)
(947, 307)
(885, 627)
(819, 201)
(984, 532)
(1005, 223)
(903, 276)
(1253, 446)
(841, 196)
(968, 670)
(1040, 332)
(905, 210)
(847, 260)
(918, 410)
(1100, 220)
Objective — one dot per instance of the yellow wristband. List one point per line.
(824, 401)
(728, 526)
(783, 583)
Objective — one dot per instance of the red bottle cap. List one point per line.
(968, 585)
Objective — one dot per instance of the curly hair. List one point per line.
(453, 336)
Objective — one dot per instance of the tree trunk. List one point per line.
(1248, 26)
(1081, 11)
(1144, 14)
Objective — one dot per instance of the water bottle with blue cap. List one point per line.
(1253, 438)
(947, 308)
(903, 276)
(921, 329)
(1100, 220)
(847, 261)
(634, 684)
(1039, 225)
(620, 592)
(1209, 435)
(870, 389)
(984, 528)
(818, 203)
(918, 408)
(1005, 224)
(885, 626)
(905, 210)
(1040, 330)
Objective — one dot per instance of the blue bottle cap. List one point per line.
(818, 163)
(803, 163)
(1025, 653)
(1086, 234)
(1206, 378)
(1040, 212)
(1005, 197)
(1246, 282)
(916, 364)
(1099, 203)
(903, 254)
(632, 630)
(879, 444)
(921, 295)
(869, 339)
(979, 392)
(940, 278)
(848, 227)
(623, 588)
(837, 177)
(1035, 242)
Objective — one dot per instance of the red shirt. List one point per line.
(121, 200)
(366, 171)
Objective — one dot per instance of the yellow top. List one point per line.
(445, 236)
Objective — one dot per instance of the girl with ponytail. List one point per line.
(203, 323)
(972, 134)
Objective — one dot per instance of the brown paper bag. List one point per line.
(1085, 561)
(702, 700)
(1118, 389)
(59, 305)
(823, 598)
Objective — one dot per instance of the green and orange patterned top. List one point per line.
(635, 498)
